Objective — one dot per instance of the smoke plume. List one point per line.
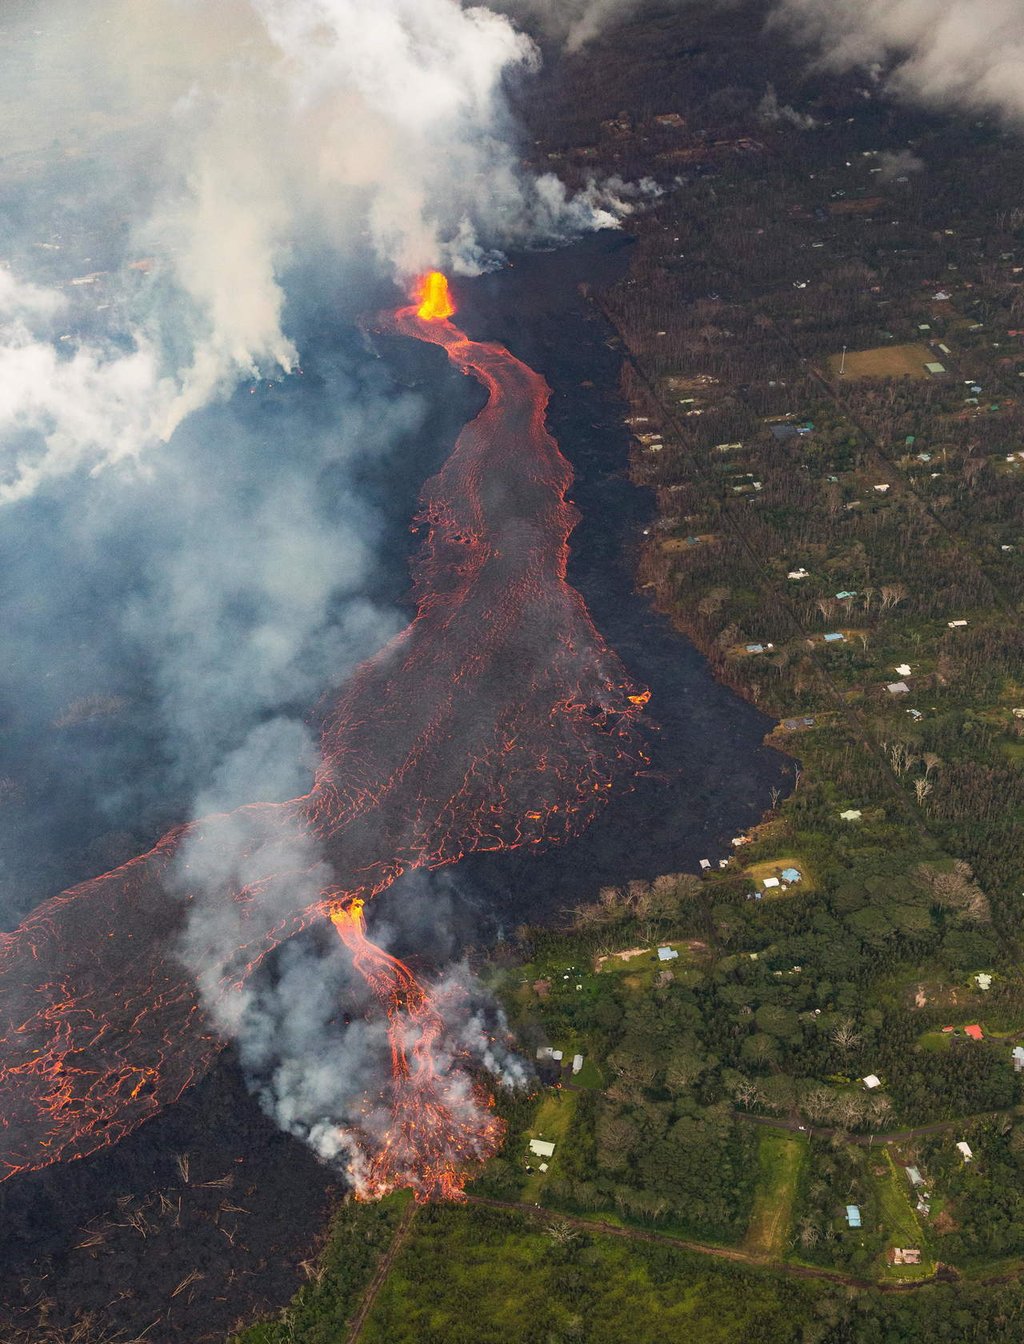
(965, 54)
(257, 135)
(197, 202)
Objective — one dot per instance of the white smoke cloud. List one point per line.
(572, 22)
(945, 53)
(771, 113)
(893, 166)
(327, 1082)
(264, 129)
(57, 410)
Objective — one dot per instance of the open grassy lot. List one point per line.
(779, 1159)
(901, 1221)
(552, 1122)
(885, 361)
(757, 872)
(639, 966)
(472, 1275)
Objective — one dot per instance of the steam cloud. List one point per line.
(324, 1081)
(967, 54)
(262, 130)
(188, 189)
(945, 53)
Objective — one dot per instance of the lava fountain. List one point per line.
(498, 718)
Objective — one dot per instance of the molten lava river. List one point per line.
(498, 718)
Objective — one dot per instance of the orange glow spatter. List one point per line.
(434, 297)
(497, 719)
(436, 1131)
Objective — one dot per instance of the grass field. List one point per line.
(935, 1042)
(901, 1222)
(468, 1275)
(780, 1157)
(640, 965)
(886, 361)
(757, 872)
(588, 1076)
(552, 1122)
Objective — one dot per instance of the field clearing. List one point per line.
(645, 959)
(757, 872)
(935, 1042)
(885, 361)
(901, 1222)
(552, 1122)
(780, 1157)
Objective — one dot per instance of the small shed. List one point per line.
(771, 882)
(898, 688)
(577, 1063)
(835, 637)
(1018, 1058)
(975, 1032)
(541, 1147)
(914, 1177)
(872, 1081)
(851, 814)
(667, 954)
(853, 1215)
(964, 1149)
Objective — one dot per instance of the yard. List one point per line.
(780, 1158)
(551, 1123)
(640, 965)
(757, 872)
(902, 1225)
(885, 361)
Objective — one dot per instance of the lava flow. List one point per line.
(439, 1123)
(498, 718)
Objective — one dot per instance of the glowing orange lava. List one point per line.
(434, 297)
(498, 718)
(436, 1131)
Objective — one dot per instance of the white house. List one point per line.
(964, 1149)
(541, 1147)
